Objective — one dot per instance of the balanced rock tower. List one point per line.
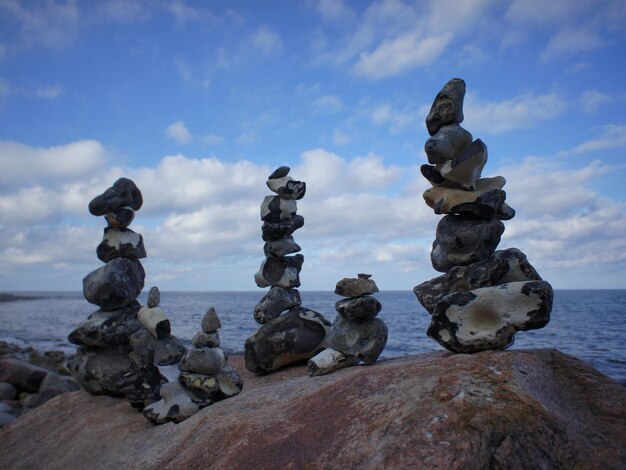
(356, 335)
(104, 338)
(485, 296)
(289, 332)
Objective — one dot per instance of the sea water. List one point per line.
(588, 324)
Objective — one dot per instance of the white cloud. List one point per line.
(124, 11)
(247, 137)
(341, 138)
(334, 11)
(591, 100)
(572, 41)
(265, 41)
(328, 104)
(613, 136)
(496, 117)
(401, 54)
(178, 132)
(398, 120)
(48, 92)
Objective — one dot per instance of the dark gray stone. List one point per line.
(203, 386)
(142, 384)
(488, 318)
(295, 336)
(275, 230)
(466, 168)
(123, 193)
(447, 107)
(276, 208)
(280, 172)
(280, 272)
(107, 328)
(360, 308)
(99, 369)
(114, 285)
(363, 339)
(461, 241)
(207, 361)
(7, 391)
(154, 297)
(355, 287)
(287, 187)
(202, 339)
(175, 406)
(120, 218)
(165, 351)
(120, 243)
(432, 175)
(281, 247)
(485, 206)
(276, 301)
(448, 142)
(210, 322)
(504, 266)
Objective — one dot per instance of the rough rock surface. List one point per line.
(513, 409)
(114, 285)
(104, 328)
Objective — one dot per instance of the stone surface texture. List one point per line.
(512, 409)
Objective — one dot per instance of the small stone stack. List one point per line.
(204, 377)
(356, 334)
(485, 295)
(153, 350)
(289, 332)
(104, 338)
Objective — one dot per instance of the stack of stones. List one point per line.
(104, 338)
(153, 351)
(203, 377)
(356, 334)
(485, 296)
(289, 332)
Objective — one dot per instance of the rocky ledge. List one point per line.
(494, 409)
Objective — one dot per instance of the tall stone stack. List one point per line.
(356, 335)
(289, 332)
(485, 296)
(104, 338)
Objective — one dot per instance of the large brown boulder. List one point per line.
(495, 409)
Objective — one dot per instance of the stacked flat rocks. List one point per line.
(104, 338)
(485, 296)
(202, 377)
(289, 332)
(356, 335)
(153, 352)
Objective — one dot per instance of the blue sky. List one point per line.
(198, 102)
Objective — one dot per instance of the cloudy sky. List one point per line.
(198, 102)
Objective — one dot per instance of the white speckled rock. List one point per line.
(123, 243)
(276, 208)
(155, 321)
(487, 318)
(446, 143)
(280, 272)
(328, 361)
(176, 405)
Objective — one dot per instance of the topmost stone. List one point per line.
(210, 322)
(447, 107)
(123, 193)
(356, 287)
(279, 172)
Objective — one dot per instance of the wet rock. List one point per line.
(202, 339)
(107, 328)
(360, 308)
(123, 193)
(280, 272)
(447, 107)
(284, 228)
(276, 301)
(23, 376)
(281, 247)
(328, 361)
(99, 369)
(114, 285)
(229, 381)
(461, 241)
(142, 384)
(207, 361)
(487, 318)
(122, 243)
(147, 348)
(448, 142)
(210, 322)
(355, 287)
(176, 405)
(504, 266)
(276, 208)
(365, 340)
(295, 336)
(155, 321)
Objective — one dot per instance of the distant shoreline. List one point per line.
(13, 297)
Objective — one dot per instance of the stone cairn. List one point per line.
(102, 357)
(288, 332)
(356, 334)
(201, 378)
(485, 296)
